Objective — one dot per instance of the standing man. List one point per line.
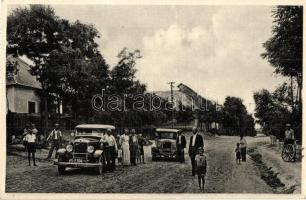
(110, 146)
(55, 136)
(133, 147)
(289, 135)
(196, 142)
(141, 143)
(181, 145)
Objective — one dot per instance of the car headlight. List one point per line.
(90, 149)
(69, 148)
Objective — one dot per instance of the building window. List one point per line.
(31, 107)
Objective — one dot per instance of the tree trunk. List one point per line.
(46, 115)
(291, 94)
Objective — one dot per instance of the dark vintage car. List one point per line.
(165, 144)
(85, 151)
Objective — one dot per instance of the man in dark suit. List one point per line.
(196, 141)
(181, 145)
(133, 141)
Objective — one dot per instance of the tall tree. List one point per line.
(284, 50)
(236, 116)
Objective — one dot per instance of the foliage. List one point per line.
(235, 116)
(271, 114)
(284, 51)
(284, 48)
(64, 55)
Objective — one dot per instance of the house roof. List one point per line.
(23, 76)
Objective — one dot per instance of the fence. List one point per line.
(16, 122)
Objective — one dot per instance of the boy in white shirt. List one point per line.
(31, 146)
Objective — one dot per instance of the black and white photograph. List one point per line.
(153, 99)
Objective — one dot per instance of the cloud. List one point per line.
(216, 61)
(213, 49)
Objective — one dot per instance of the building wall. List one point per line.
(18, 98)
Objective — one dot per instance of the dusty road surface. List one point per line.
(157, 177)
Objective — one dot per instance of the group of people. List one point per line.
(128, 148)
(197, 157)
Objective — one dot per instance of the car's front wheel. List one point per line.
(99, 169)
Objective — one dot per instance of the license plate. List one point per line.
(78, 160)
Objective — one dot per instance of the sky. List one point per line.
(215, 50)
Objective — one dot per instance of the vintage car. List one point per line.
(165, 144)
(85, 151)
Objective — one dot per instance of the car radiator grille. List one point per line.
(167, 145)
(80, 148)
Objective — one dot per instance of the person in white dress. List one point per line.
(124, 142)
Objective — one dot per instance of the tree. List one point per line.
(76, 79)
(272, 111)
(284, 50)
(64, 55)
(236, 117)
(34, 32)
(123, 74)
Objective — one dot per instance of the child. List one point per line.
(238, 154)
(119, 156)
(201, 165)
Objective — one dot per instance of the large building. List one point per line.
(187, 97)
(22, 88)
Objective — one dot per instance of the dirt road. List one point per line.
(158, 177)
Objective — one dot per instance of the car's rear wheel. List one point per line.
(61, 170)
(99, 169)
(154, 157)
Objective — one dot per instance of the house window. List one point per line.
(31, 107)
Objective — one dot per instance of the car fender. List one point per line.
(61, 151)
(98, 153)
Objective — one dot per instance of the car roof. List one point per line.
(95, 126)
(167, 130)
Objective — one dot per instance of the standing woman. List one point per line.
(31, 146)
(124, 142)
(243, 146)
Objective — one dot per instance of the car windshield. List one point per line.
(89, 132)
(166, 135)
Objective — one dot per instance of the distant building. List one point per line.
(22, 88)
(187, 97)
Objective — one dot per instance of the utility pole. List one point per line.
(172, 103)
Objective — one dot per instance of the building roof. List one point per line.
(167, 130)
(95, 126)
(23, 76)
